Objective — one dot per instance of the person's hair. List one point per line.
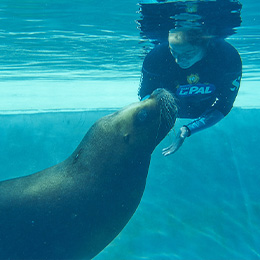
(186, 35)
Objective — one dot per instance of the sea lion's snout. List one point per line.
(167, 105)
(168, 110)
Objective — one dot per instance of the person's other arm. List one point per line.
(151, 78)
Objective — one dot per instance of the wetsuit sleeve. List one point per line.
(208, 119)
(229, 83)
(151, 78)
(149, 82)
(226, 97)
(228, 90)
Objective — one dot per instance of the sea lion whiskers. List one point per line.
(168, 109)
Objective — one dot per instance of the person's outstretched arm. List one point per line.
(218, 111)
(206, 120)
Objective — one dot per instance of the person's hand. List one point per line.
(182, 134)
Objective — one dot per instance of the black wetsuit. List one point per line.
(205, 91)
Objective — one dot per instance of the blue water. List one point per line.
(200, 203)
(79, 60)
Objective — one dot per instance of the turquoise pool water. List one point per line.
(65, 64)
(200, 203)
(52, 50)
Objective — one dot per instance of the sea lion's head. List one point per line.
(130, 133)
(150, 120)
(141, 126)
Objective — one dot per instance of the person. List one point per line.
(201, 71)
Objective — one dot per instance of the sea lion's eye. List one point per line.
(142, 115)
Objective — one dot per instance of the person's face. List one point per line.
(184, 53)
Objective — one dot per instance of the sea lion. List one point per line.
(74, 209)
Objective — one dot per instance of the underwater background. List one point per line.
(64, 64)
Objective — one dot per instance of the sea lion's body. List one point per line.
(74, 209)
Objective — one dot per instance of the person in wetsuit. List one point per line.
(202, 72)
